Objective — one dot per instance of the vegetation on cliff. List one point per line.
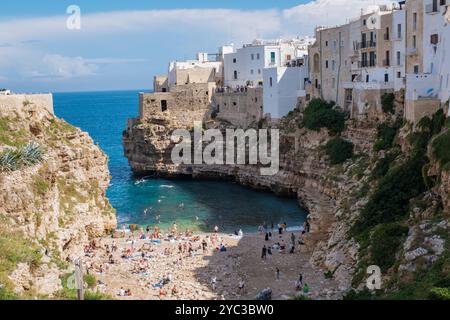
(402, 185)
(320, 114)
(338, 150)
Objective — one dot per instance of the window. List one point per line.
(367, 78)
(271, 81)
(416, 69)
(235, 75)
(443, 2)
(333, 83)
(316, 83)
(259, 71)
(234, 60)
(333, 65)
(163, 105)
(257, 56)
(414, 42)
(251, 71)
(288, 57)
(387, 63)
(414, 20)
(387, 35)
(253, 56)
(364, 22)
(272, 57)
(386, 77)
(434, 39)
(326, 43)
(399, 57)
(399, 31)
(326, 64)
(399, 74)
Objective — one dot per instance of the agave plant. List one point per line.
(32, 153)
(14, 159)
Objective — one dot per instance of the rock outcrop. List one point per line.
(49, 211)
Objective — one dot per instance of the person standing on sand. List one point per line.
(266, 237)
(204, 246)
(216, 229)
(241, 286)
(293, 239)
(278, 274)
(264, 253)
(300, 279)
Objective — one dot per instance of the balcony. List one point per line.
(411, 51)
(372, 85)
(367, 44)
(367, 64)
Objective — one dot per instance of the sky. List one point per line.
(121, 45)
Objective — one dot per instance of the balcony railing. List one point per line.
(367, 44)
(366, 63)
(411, 51)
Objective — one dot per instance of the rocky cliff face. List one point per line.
(304, 173)
(49, 210)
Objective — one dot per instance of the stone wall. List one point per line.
(188, 101)
(239, 108)
(18, 101)
(417, 109)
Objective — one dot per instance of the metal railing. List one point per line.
(367, 44)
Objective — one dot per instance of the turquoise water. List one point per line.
(191, 204)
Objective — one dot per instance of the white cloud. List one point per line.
(68, 67)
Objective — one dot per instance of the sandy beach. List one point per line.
(133, 268)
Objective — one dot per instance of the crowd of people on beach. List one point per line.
(279, 245)
(140, 246)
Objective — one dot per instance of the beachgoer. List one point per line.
(241, 286)
(216, 229)
(306, 289)
(266, 237)
(293, 239)
(278, 273)
(213, 283)
(204, 246)
(264, 253)
(300, 278)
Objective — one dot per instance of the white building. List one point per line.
(201, 63)
(246, 65)
(429, 87)
(283, 86)
(5, 92)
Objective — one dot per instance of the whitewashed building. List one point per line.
(200, 70)
(428, 77)
(245, 66)
(283, 86)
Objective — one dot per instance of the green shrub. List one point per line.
(383, 165)
(359, 295)
(339, 150)
(387, 102)
(320, 114)
(90, 280)
(385, 242)
(386, 134)
(439, 294)
(441, 149)
(390, 200)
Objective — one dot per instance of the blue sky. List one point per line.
(123, 44)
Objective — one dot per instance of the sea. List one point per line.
(191, 204)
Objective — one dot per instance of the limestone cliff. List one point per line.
(51, 209)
